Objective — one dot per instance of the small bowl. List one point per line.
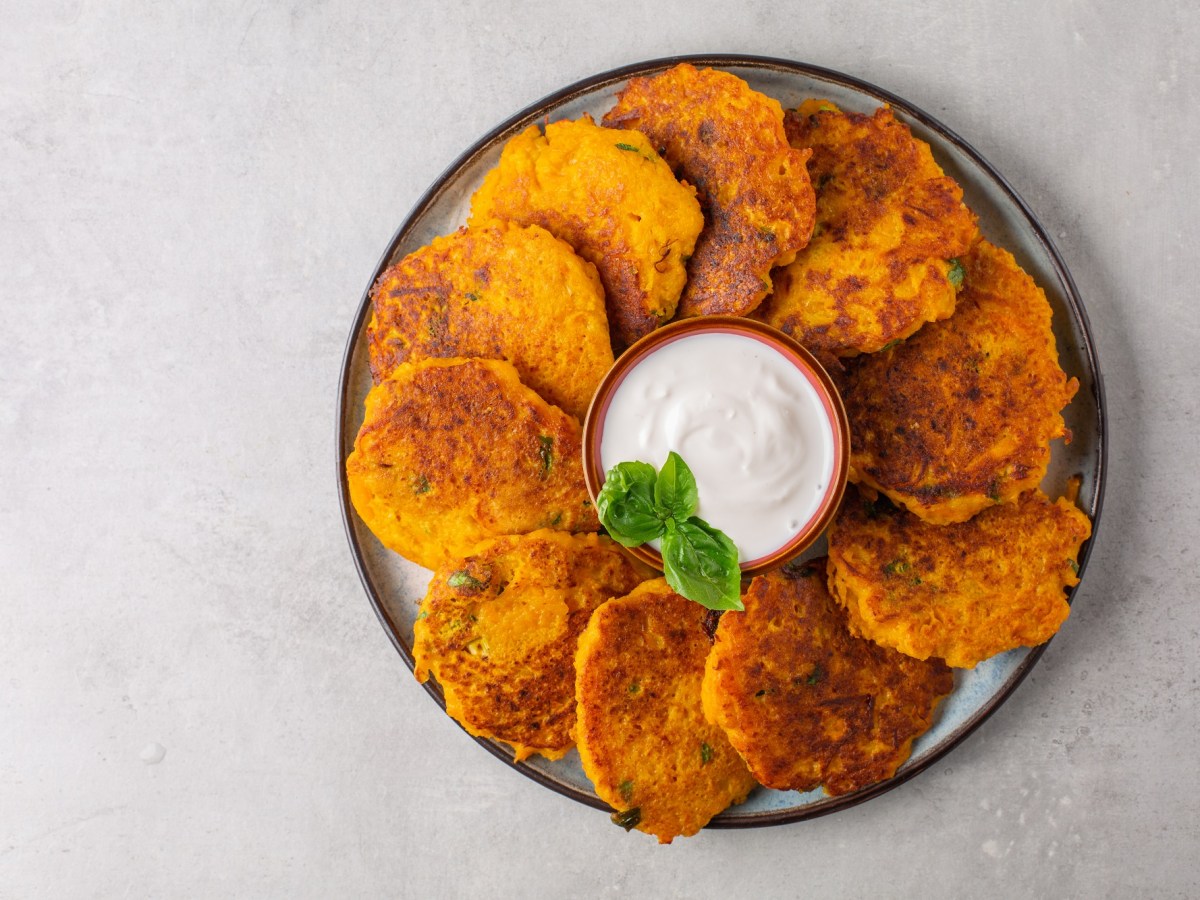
(803, 361)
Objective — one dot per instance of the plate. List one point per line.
(395, 587)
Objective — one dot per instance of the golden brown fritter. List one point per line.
(960, 417)
(728, 140)
(610, 196)
(497, 291)
(643, 739)
(498, 630)
(452, 451)
(805, 702)
(889, 222)
(960, 592)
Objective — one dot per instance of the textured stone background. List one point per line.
(195, 697)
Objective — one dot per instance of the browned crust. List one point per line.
(960, 417)
(961, 592)
(888, 223)
(607, 193)
(498, 629)
(643, 739)
(806, 703)
(727, 140)
(452, 451)
(497, 291)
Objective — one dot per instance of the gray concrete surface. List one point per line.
(195, 698)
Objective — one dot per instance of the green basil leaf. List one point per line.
(701, 563)
(626, 504)
(675, 491)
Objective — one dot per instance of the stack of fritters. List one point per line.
(643, 739)
(955, 424)
(803, 701)
(474, 339)
(889, 225)
(608, 194)
(499, 628)
(728, 141)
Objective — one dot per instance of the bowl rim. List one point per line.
(787, 347)
(530, 114)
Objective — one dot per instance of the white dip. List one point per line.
(747, 422)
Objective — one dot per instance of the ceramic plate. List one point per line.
(395, 587)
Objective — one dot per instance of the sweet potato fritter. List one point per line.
(961, 592)
(889, 224)
(805, 702)
(643, 739)
(728, 140)
(608, 194)
(452, 451)
(498, 630)
(960, 417)
(497, 291)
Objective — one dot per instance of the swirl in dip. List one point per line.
(750, 413)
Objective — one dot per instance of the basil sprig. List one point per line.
(637, 505)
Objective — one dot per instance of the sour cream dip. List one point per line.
(752, 419)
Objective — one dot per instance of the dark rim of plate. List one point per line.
(523, 119)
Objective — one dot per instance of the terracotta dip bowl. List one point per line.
(686, 348)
